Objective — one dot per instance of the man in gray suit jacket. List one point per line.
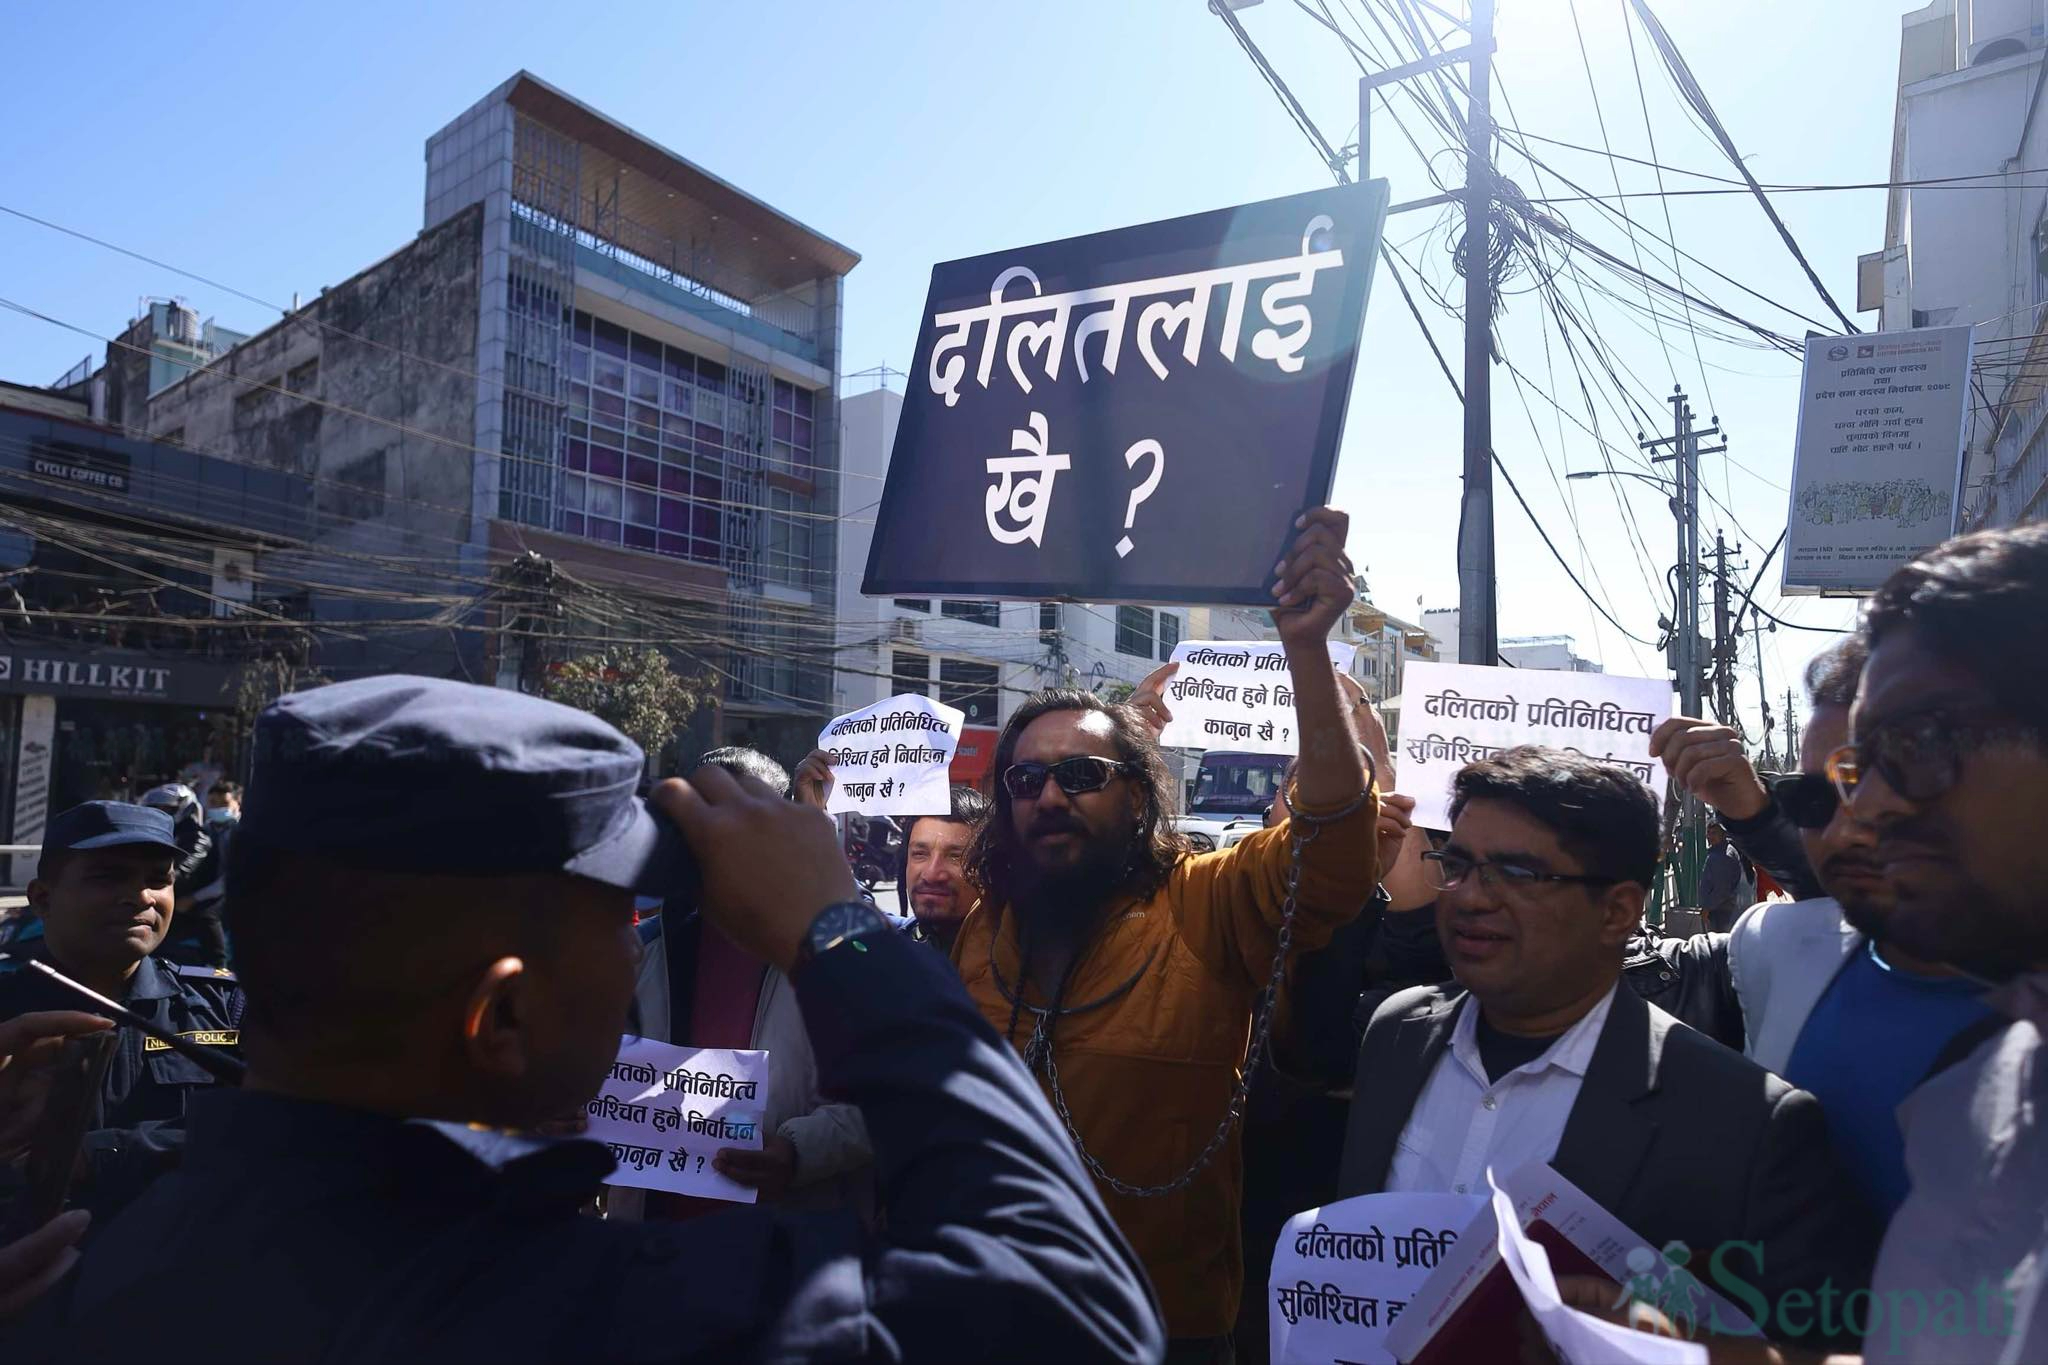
(1540, 1058)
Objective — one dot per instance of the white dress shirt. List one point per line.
(1463, 1123)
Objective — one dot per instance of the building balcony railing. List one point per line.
(638, 256)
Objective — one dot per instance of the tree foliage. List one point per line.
(635, 690)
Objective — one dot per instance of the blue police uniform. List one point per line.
(298, 1229)
(136, 1130)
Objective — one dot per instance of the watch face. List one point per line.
(839, 921)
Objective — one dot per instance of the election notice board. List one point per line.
(1878, 465)
(1454, 714)
(1132, 416)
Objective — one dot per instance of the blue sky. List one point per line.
(279, 148)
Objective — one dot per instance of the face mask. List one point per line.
(221, 816)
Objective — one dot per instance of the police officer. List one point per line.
(432, 915)
(200, 940)
(103, 895)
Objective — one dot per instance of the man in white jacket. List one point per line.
(1857, 1023)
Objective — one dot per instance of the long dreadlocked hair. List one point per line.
(994, 858)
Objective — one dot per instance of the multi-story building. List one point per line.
(982, 657)
(596, 357)
(1970, 115)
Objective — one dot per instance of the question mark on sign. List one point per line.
(700, 1163)
(1143, 490)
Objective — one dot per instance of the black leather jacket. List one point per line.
(1771, 841)
(1687, 978)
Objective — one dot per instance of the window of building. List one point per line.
(355, 492)
(981, 613)
(1169, 635)
(1134, 631)
(174, 437)
(790, 432)
(914, 603)
(303, 378)
(971, 687)
(1048, 618)
(644, 452)
(249, 402)
(786, 557)
(910, 672)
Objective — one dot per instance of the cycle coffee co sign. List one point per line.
(111, 675)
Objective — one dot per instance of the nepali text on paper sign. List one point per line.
(1236, 695)
(1069, 470)
(665, 1111)
(1454, 714)
(893, 758)
(1343, 1274)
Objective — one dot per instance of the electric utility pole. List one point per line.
(1756, 635)
(1686, 451)
(1791, 729)
(1478, 619)
(1684, 829)
(1724, 638)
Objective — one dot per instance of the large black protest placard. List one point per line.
(1136, 415)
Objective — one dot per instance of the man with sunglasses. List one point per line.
(1538, 1054)
(1827, 1002)
(1128, 971)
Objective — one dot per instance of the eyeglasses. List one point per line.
(1082, 773)
(1809, 800)
(1447, 869)
(1920, 756)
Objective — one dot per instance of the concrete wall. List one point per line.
(369, 393)
(376, 372)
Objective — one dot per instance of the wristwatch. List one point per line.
(835, 925)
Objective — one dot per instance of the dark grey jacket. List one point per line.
(1676, 1136)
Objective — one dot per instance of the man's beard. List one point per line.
(1072, 894)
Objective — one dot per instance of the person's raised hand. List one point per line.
(771, 1170)
(1707, 760)
(28, 1044)
(811, 783)
(1315, 585)
(31, 1264)
(1397, 815)
(768, 865)
(1149, 700)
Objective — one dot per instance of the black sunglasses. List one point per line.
(1809, 800)
(1082, 773)
(1920, 755)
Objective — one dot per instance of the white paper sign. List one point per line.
(1453, 714)
(1236, 695)
(1536, 1191)
(1877, 467)
(665, 1111)
(1577, 1338)
(1343, 1273)
(892, 758)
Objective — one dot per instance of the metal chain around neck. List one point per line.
(1302, 831)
